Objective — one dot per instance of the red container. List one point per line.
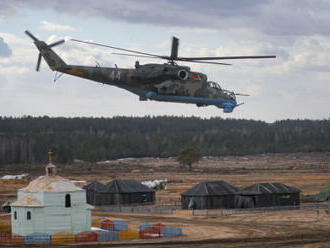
(107, 224)
(11, 238)
(151, 232)
(158, 228)
(87, 236)
(148, 235)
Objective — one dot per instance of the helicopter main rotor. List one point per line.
(174, 54)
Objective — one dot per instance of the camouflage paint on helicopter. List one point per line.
(167, 82)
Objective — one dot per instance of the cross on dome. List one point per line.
(50, 168)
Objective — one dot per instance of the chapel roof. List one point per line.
(27, 201)
(50, 184)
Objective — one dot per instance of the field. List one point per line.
(304, 228)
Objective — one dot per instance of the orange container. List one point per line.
(129, 234)
(5, 227)
(5, 218)
(62, 237)
(87, 236)
(96, 221)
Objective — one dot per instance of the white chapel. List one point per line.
(50, 204)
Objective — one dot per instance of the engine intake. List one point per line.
(183, 74)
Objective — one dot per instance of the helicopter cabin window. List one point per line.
(67, 201)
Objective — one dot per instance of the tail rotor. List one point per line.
(56, 43)
(41, 46)
(38, 62)
(31, 36)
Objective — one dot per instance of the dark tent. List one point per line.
(94, 193)
(246, 199)
(271, 195)
(209, 195)
(119, 192)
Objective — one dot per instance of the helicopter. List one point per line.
(167, 82)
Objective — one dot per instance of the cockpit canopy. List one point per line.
(214, 85)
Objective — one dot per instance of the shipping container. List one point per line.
(62, 237)
(171, 231)
(37, 238)
(96, 221)
(129, 234)
(11, 238)
(107, 224)
(108, 236)
(87, 236)
(119, 225)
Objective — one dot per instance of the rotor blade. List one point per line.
(56, 43)
(174, 50)
(164, 57)
(31, 35)
(240, 94)
(38, 62)
(118, 48)
(229, 57)
(204, 62)
(135, 55)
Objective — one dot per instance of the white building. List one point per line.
(50, 204)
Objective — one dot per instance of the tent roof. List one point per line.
(272, 188)
(96, 186)
(248, 192)
(211, 188)
(125, 186)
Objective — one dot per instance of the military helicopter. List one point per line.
(168, 82)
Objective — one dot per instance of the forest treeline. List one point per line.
(28, 139)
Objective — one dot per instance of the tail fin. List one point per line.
(52, 59)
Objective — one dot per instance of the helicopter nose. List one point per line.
(228, 110)
(228, 106)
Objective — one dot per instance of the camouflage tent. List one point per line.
(209, 195)
(272, 194)
(119, 192)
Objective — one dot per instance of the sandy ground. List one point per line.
(302, 228)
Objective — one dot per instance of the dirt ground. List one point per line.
(309, 172)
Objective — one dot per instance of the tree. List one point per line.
(188, 156)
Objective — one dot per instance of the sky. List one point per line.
(295, 85)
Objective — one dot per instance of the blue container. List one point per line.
(145, 225)
(107, 236)
(37, 238)
(171, 231)
(120, 225)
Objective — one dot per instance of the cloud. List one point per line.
(55, 27)
(5, 51)
(271, 17)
